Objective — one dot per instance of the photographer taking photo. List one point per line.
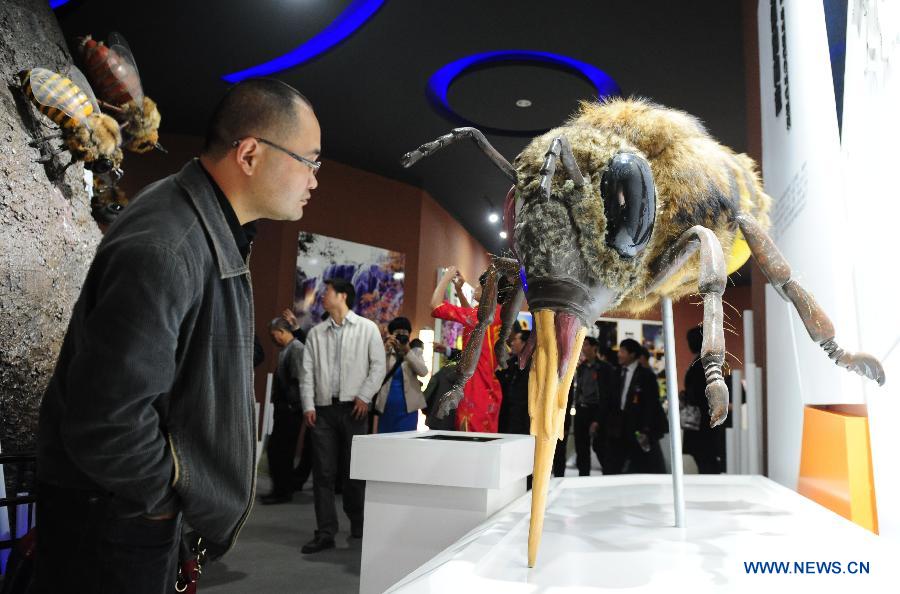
(400, 398)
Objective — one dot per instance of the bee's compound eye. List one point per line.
(629, 199)
(101, 166)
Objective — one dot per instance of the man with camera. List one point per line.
(400, 398)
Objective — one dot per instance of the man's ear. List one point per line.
(247, 155)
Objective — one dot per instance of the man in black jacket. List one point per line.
(633, 420)
(594, 382)
(149, 415)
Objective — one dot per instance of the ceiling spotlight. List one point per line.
(523, 103)
(503, 235)
(493, 217)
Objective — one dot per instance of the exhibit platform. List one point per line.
(617, 534)
(425, 490)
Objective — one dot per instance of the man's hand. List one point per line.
(290, 318)
(594, 426)
(360, 409)
(310, 418)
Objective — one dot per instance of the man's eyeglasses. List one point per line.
(314, 165)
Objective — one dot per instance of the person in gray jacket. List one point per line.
(343, 366)
(149, 415)
(287, 416)
(400, 398)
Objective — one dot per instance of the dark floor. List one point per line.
(267, 557)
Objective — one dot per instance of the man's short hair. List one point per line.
(632, 346)
(399, 323)
(262, 107)
(695, 339)
(592, 342)
(280, 324)
(344, 286)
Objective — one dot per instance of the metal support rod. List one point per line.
(674, 412)
(753, 421)
(734, 444)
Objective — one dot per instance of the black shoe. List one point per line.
(356, 530)
(319, 543)
(275, 499)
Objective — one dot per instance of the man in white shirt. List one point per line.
(343, 367)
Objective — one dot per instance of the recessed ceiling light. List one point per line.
(523, 103)
(503, 235)
(493, 217)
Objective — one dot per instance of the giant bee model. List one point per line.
(114, 75)
(645, 205)
(89, 135)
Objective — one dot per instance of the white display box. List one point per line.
(617, 534)
(424, 490)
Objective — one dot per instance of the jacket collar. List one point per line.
(203, 197)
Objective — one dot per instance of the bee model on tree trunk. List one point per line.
(89, 135)
(645, 205)
(114, 75)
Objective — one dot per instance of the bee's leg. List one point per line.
(820, 329)
(560, 149)
(474, 134)
(45, 139)
(468, 361)
(510, 309)
(711, 284)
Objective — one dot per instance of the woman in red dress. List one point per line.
(480, 406)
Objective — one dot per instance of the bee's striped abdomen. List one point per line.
(57, 97)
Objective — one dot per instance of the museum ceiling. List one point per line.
(371, 90)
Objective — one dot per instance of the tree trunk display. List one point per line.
(47, 234)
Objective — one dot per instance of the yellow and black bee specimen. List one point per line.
(113, 73)
(89, 135)
(624, 204)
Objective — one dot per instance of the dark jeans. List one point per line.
(584, 441)
(332, 437)
(83, 548)
(281, 448)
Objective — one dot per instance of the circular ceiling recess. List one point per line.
(489, 90)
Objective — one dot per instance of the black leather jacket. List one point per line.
(152, 397)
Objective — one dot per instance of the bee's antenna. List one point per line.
(560, 149)
(428, 148)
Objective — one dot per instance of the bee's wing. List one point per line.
(49, 89)
(127, 73)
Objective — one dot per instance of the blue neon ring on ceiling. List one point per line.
(54, 4)
(440, 81)
(353, 17)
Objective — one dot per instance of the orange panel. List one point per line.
(836, 464)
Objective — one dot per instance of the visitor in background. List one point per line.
(593, 386)
(400, 398)
(700, 441)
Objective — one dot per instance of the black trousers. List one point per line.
(332, 438)
(281, 448)
(83, 548)
(641, 462)
(304, 466)
(584, 441)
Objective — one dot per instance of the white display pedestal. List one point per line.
(616, 534)
(424, 490)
